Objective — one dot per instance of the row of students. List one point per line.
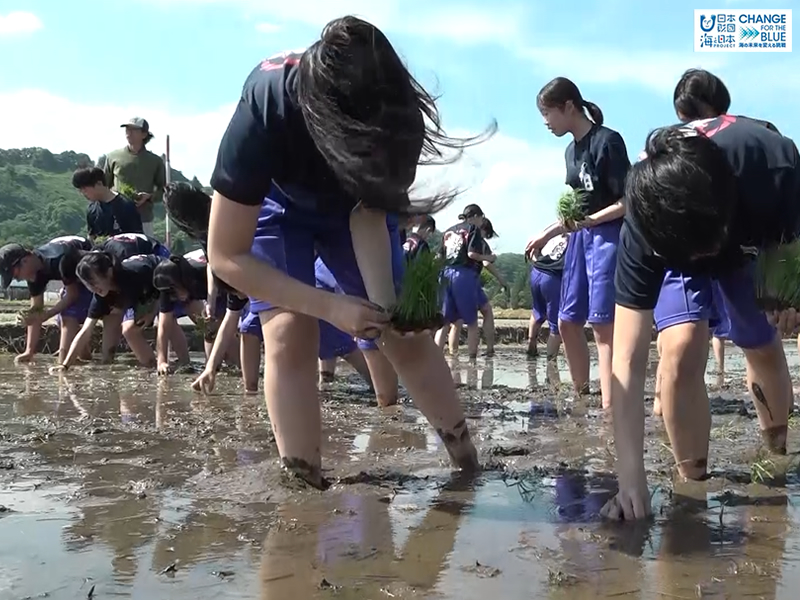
(126, 282)
(706, 195)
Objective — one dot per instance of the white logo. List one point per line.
(197, 255)
(586, 178)
(131, 237)
(453, 243)
(726, 30)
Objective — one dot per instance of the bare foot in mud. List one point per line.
(460, 447)
(304, 471)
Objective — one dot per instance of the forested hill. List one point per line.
(37, 200)
(38, 203)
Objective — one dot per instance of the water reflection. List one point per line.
(119, 475)
(352, 548)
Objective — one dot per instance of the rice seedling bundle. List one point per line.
(571, 207)
(418, 307)
(778, 277)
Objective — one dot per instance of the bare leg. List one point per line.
(718, 346)
(576, 349)
(291, 347)
(140, 347)
(771, 386)
(383, 377)
(684, 400)
(534, 327)
(250, 358)
(489, 331)
(69, 329)
(604, 340)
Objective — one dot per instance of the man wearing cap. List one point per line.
(54, 261)
(135, 166)
(463, 249)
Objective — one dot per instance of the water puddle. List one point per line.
(116, 483)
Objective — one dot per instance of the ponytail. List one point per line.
(595, 114)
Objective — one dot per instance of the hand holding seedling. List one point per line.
(356, 316)
(571, 209)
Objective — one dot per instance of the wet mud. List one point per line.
(117, 483)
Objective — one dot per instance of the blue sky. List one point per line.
(77, 73)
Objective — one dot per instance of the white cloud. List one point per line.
(19, 22)
(459, 23)
(515, 183)
(653, 69)
(267, 27)
(37, 118)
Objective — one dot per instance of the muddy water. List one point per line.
(114, 483)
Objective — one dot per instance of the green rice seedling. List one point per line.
(571, 207)
(418, 306)
(24, 313)
(127, 190)
(778, 277)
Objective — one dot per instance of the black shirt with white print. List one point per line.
(767, 169)
(551, 260)
(134, 280)
(60, 257)
(414, 245)
(458, 241)
(597, 165)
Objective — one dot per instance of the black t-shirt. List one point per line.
(414, 245)
(235, 300)
(134, 278)
(458, 241)
(552, 258)
(119, 215)
(597, 164)
(767, 168)
(267, 142)
(60, 257)
(197, 284)
(126, 245)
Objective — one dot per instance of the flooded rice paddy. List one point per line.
(115, 483)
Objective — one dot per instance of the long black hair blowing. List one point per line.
(371, 120)
(189, 208)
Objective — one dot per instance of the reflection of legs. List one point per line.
(69, 329)
(383, 376)
(250, 358)
(290, 390)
